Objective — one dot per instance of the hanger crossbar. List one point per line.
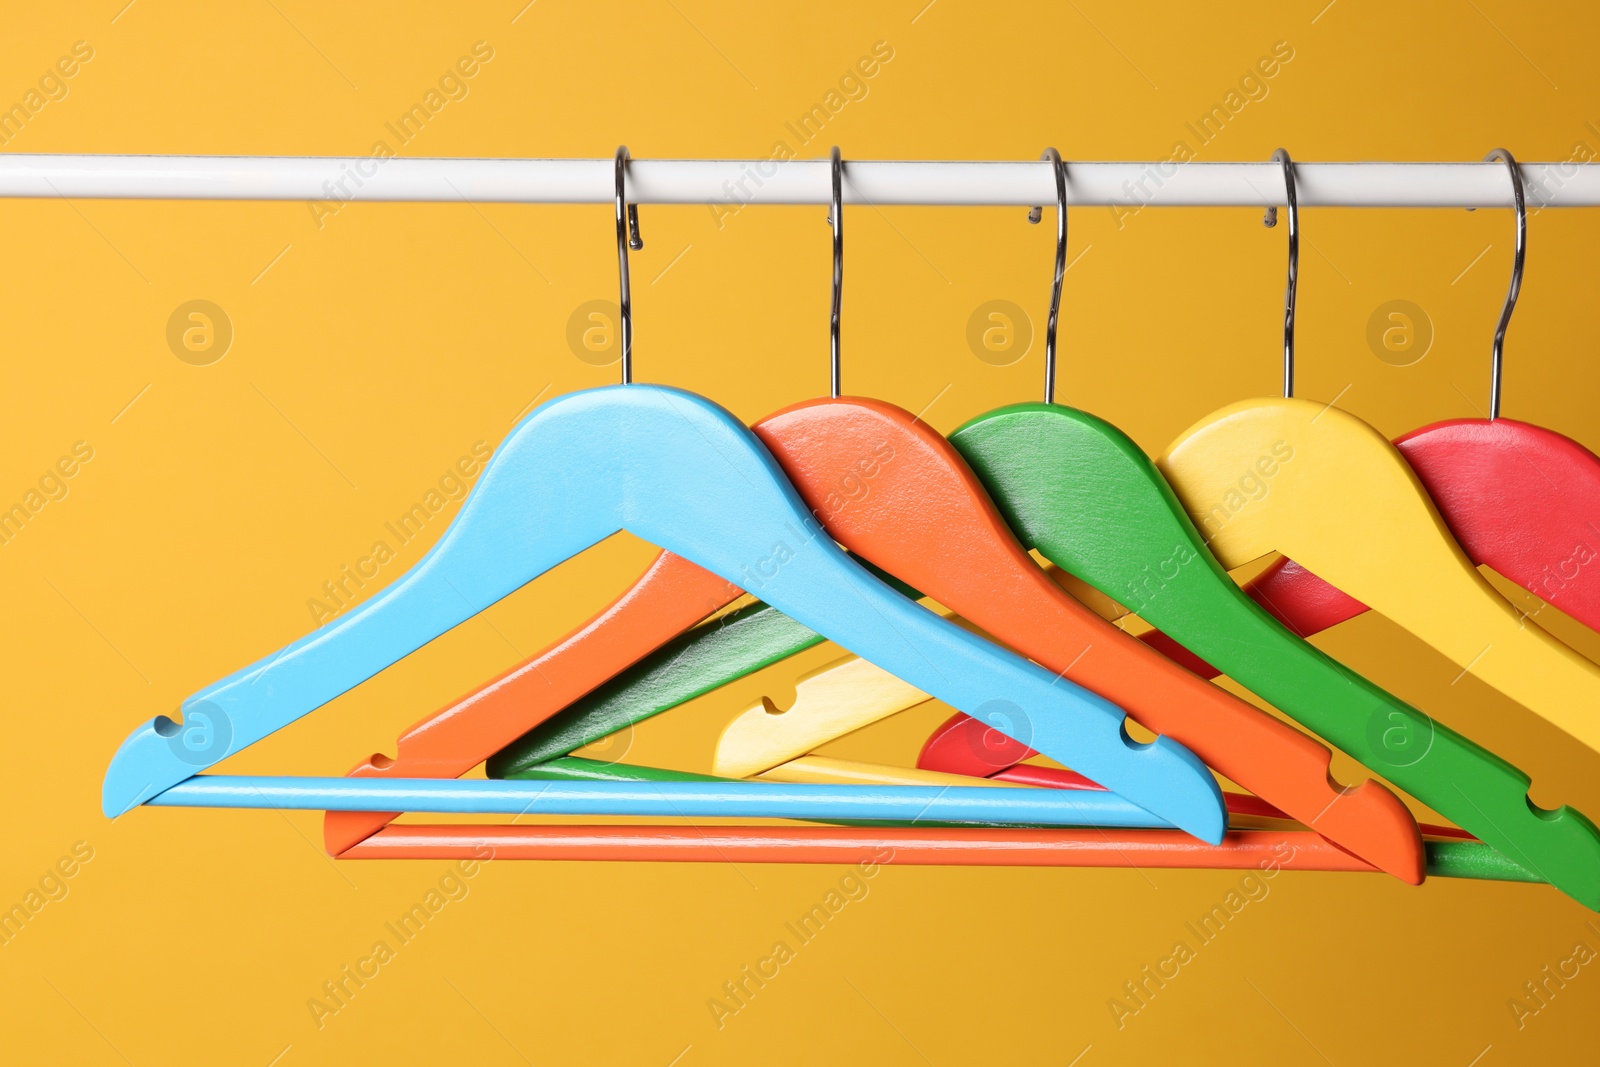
(690, 799)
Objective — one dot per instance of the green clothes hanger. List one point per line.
(1088, 499)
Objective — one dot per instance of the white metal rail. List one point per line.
(737, 182)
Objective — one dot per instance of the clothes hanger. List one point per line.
(1520, 499)
(678, 470)
(1341, 501)
(926, 518)
(1147, 554)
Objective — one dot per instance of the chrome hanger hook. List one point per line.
(1051, 156)
(1519, 198)
(627, 237)
(1289, 292)
(836, 219)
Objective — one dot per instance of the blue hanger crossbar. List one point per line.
(688, 800)
(682, 473)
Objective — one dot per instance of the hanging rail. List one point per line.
(737, 182)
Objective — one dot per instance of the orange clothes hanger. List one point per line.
(923, 516)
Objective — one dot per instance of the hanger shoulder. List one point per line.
(1107, 516)
(1332, 493)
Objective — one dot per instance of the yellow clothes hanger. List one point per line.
(1331, 493)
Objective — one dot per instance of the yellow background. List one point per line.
(370, 353)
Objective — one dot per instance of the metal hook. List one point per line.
(836, 219)
(1520, 199)
(1050, 155)
(1271, 219)
(627, 237)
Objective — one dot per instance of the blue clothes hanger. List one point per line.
(679, 471)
